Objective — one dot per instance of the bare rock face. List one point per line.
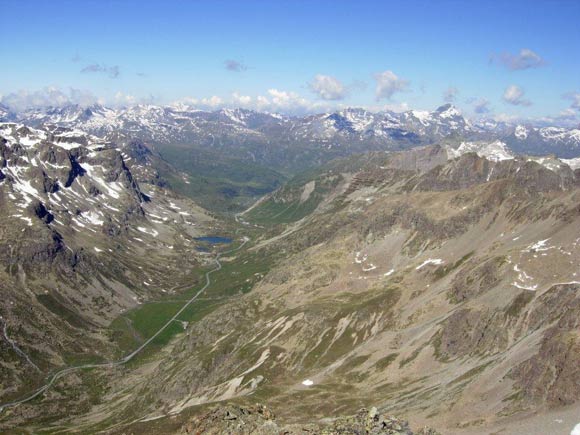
(553, 374)
(482, 276)
(259, 420)
(232, 419)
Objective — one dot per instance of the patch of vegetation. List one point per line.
(74, 358)
(287, 204)
(470, 373)
(443, 271)
(352, 363)
(519, 303)
(410, 358)
(386, 361)
(216, 181)
(436, 343)
(61, 310)
(237, 276)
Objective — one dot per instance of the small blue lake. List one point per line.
(214, 240)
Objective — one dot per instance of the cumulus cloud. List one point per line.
(328, 87)
(209, 103)
(450, 94)
(568, 115)
(505, 117)
(111, 71)
(390, 107)
(525, 59)
(574, 97)
(388, 83)
(123, 99)
(48, 97)
(274, 100)
(241, 100)
(288, 102)
(481, 106)
(515, 95)
(234, 65)
(213, 101)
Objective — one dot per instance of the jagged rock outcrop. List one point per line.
(259, 420)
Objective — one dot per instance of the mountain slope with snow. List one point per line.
(81, 241)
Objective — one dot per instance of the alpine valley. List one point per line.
(172, 270)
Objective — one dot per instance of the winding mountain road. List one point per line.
(65, 371)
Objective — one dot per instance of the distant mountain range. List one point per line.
(286, 142)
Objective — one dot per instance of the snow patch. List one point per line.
(368, 269)
(494, 151)
(148, 231)
(27, 219)
(521, 132)
(436, 261)
(539, 246)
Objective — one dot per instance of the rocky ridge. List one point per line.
(258, 419)
(284, 141)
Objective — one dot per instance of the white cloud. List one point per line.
(275, 101)
(209, 103)
(262, 102)
(125, 99)
(49, 96)
(285, 99)
(566, 118)
(213, 101)
(525, 59)
(391, 107)
(450, 94)
(515, 95)
(575, 98)
(328, 87)
(241, 100)
(568, 115)
(481, 106)
(505, 117)
(388, 83)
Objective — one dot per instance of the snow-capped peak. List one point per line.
(447, 111)
(521, 132)
(494, 151)
(422, 115)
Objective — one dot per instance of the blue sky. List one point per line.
(490, 58)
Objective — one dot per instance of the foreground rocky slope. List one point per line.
(447, 293)
(260, 420)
